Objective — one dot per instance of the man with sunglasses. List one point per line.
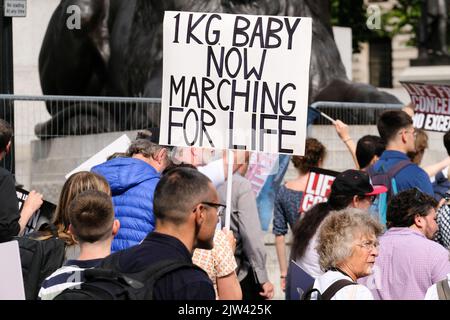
(186, 207)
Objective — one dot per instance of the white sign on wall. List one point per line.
(15, 8)
(235, 81)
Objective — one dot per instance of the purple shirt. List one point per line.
(407, 265)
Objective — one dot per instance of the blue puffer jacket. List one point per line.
(133, 184)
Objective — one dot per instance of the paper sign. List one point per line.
(432, 106)
(11, 279)
(119, 145)
(44, 214)
(235, 81)
(261, 166)
(318, 188)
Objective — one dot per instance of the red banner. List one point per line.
(432, 106)
(318, 188)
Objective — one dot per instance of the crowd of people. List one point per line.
(155, 215)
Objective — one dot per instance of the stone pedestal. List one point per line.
(52, 159)
(436, 74)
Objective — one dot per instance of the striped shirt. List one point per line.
(70, 275)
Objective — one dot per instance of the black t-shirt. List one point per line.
(9, 207)
(182, 284)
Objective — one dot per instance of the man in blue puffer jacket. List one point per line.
(133, 180)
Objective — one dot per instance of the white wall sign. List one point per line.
(15, 8)
(235, 81)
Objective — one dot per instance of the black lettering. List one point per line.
(186, 118)
(173, 124)
(290, 30)
(176, 88)
(272, 33)
(207, 85)
(193, 92)
(240, 31)
(263, 131)
(290, 102)
(219, 90)
(216, 33)
(205, 124)
(284, 132)
(210, 56)
(231, 145)
(254, 115)
(235, 93)
(227, 62)
(255, 96)
(248, 74)
(273, 101)
(257, 32)
(177, 28)
(191, 27)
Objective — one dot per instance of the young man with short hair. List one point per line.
(93, 225)
(186, 210)
(396, 129)
(12, 223)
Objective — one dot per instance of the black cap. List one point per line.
(354, 182)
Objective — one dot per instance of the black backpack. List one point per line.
(105, 283)
(330, 292)
(39, 259)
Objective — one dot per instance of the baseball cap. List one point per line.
(354, 182)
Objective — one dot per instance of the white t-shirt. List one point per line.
(350, 292)
(214, 171)
(309, 262)
(432, 293)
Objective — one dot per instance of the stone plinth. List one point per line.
(52, 159)
(428, 74)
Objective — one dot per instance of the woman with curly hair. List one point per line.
(287, 201)
(347, 247)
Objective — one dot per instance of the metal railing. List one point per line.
(42, 160)
(352, 113)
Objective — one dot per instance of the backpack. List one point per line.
(105, 283)
(39, 259)
(379, 206)
(443, 289)
(330, 292)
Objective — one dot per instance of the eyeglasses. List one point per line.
(220, 207)
(369, 245)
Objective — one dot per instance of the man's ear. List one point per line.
(199, 213)
(116, 227)
(418, 221)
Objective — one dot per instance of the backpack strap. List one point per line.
(396, 168)
(335, 287)
(158, 270)
(443, 289)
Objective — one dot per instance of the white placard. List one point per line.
(15, 8)
(119, 145)
(235, 81)
(11, 280)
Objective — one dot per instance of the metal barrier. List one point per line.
(351, 112)
(42, 158)
(35, 130)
